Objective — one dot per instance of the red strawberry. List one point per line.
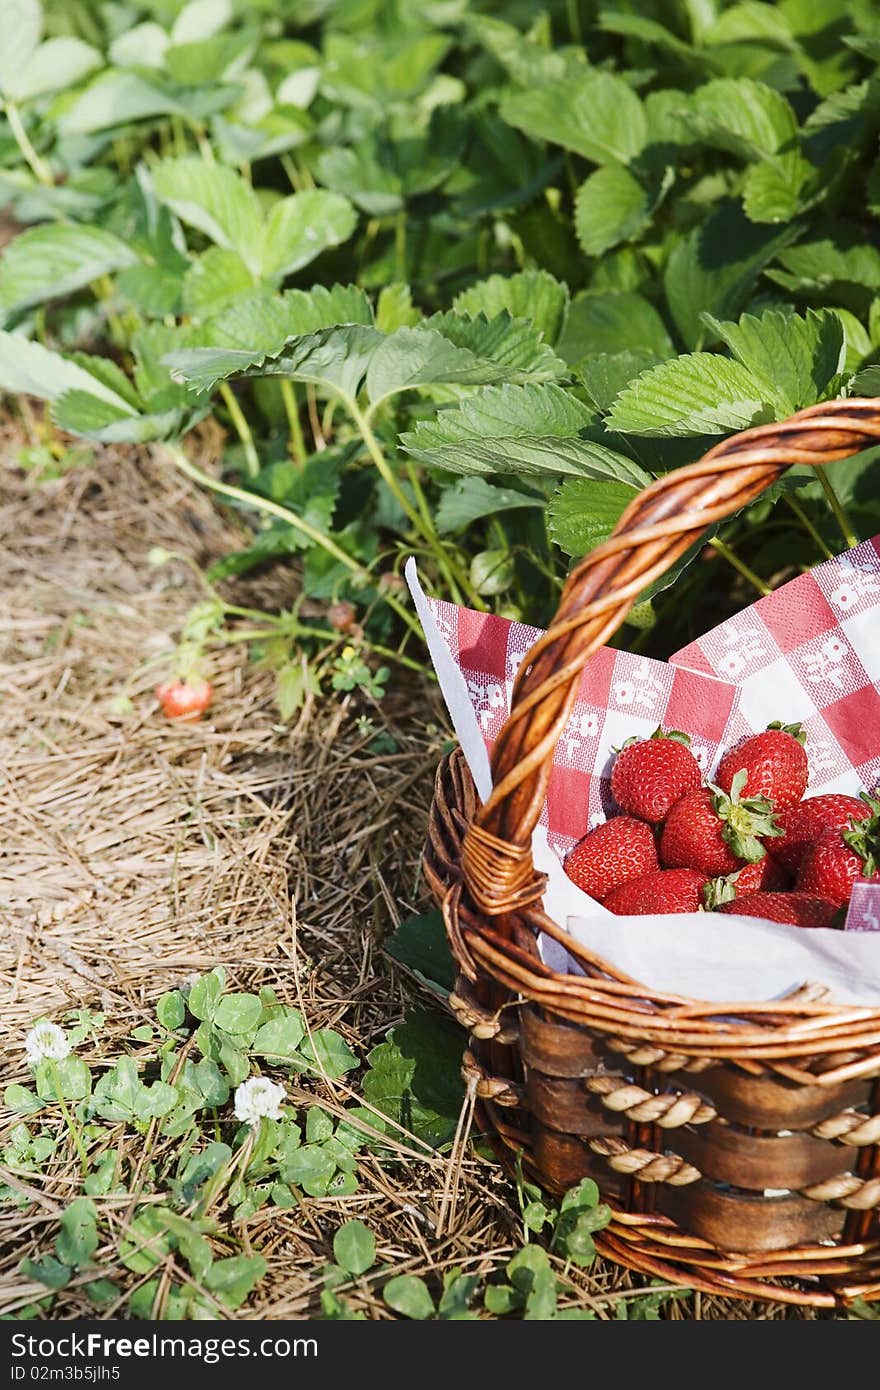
(664, 890)
(650, 775)
(618, 850)
(831, 866)
(185, 701)
(715, 833)
(763, 876)
(798, 909)
(804, 823)
(774, 762)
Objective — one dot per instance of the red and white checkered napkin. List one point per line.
(810, 651)
(864, 908)
(620, 695)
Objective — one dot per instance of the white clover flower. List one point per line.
(258, 1098)
(46, 1042)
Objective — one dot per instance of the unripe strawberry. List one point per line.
(661, 892)
(839, 857)
(716, 833)
(650, 775)
(797, 909)
(804, 823)
(775, 765)
(615, 851)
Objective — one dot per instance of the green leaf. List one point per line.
(842, 265)
(238, 1013)
(22, 27)
(232, 1279)
(22, 1100)
(747, 118)
(79, 412)
(216, 201)
(532, 430)
(394, 309)
(612, 323)
(71, 1075)
(699, 393)
(470, 499)
(78, 1238)
(408, 1294)
(492, 571)
(354, 1247)
(205, 992)
(29, 369)
(866, 382)
(171, 1009)
(115, 98)
(530, 294)
(605, 376)
(281, 1036)
(597, 115)
(58, 63)
(216, 278)
(299, 228)
(48, 1271)
(611, 206)
(714, 268)
(310, 1167)
(329, 1053)
(414, 1077)
(336, 358)
(143, 46)
(584, 511)
(798, 359)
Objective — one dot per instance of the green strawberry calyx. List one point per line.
(659, 732)
(720, 890)
(796, 730)
(747, 819)
(863, 836)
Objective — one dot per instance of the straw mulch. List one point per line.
(136, 853)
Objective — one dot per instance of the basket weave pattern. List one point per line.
(738, 1144)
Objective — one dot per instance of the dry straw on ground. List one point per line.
(136, 853)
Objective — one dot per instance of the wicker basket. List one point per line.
(738, 1144)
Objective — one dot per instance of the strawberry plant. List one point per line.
(454, 284)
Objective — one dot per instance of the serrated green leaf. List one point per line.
(605, 375)
(216, 278)
(299, 228)
(747, 118)
(776, 192)
(115, 98)
(714, 268)
(511, 344)
(611, 206)
(584, 511)
(798, 359)
(216, 201)
(843, 263)
(530, 294)
(597, 115)
(336, 358)
(76, 254)
(395, 309)
(518, 429)
(611, 323)
(699, 393)
(469, 499)
(27, 368)
(866, 382)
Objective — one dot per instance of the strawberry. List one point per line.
(804, 823)
(798, 909)
(663, 891)
(715, 832)
(618, 850)
(774, 762)
(650, 775)
(831, 866)
(185, 701)
(763, 876)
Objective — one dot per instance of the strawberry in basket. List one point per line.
(747, 843)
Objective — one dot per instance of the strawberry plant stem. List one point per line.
(739, 565)
(297, 442)
(838, 509)
(264, 504)
(808, 526)
(242, 428)
(39, 168)
(424, 525)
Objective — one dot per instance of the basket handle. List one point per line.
(655, 530)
